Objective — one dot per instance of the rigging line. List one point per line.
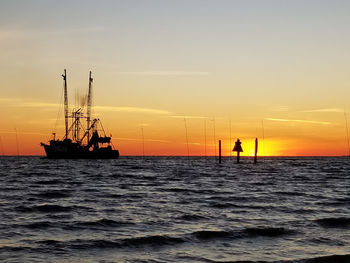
(188, 149)
(102, 127)
(347, 132)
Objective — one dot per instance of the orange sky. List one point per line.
(165, 134)
(281, 63)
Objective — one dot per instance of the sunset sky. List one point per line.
(277, 70)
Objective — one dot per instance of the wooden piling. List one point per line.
(219, 151)
(256, 151)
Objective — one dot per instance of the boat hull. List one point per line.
(69, 153)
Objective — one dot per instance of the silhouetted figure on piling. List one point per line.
(238, 149)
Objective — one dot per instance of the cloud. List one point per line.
(192, 143)
(132, 110)
(27, 104)
(37, 105)
(140, 140)
(300, 121)
(187, 117)
(163, 73)
(21, 133)
(337, 110)
(278, 108)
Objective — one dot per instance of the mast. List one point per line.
(65, 103)
(88, 119)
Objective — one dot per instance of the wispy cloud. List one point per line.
(187, 117)
(22, 133)
(278, 108)
(192, 143)
(140, 140)
(132, 110)
(300, 121)
(336, 110)
(163, 73)
(35, 104)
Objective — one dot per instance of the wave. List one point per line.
(214, 234)
(334, 222)
(11, 248)
(328, 259)
(323, 259)
(50, 182)
(154, 241)
(247, 232)
(54, 194)
(39, 225)
(223, 205)
(268, 231)
(192, 217)
(44, 209)
(102, 223)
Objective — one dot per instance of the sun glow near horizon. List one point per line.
(277, 70)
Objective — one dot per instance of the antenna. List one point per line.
(65, 103)
(89, 98)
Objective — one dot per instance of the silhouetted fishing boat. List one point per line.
(74, 145)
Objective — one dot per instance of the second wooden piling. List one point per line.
(219, 151)
(256, 151)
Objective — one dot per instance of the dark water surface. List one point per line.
(163, 209)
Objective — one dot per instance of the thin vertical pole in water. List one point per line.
(17, 142)
(219, 151)
(2, 147)
(230, 141)
(205, 139)
(214, 139)
(263, 134)
(143, 144)
(347, 132)
(256, 151)
(188, 149)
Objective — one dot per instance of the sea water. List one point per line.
(175, 209)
